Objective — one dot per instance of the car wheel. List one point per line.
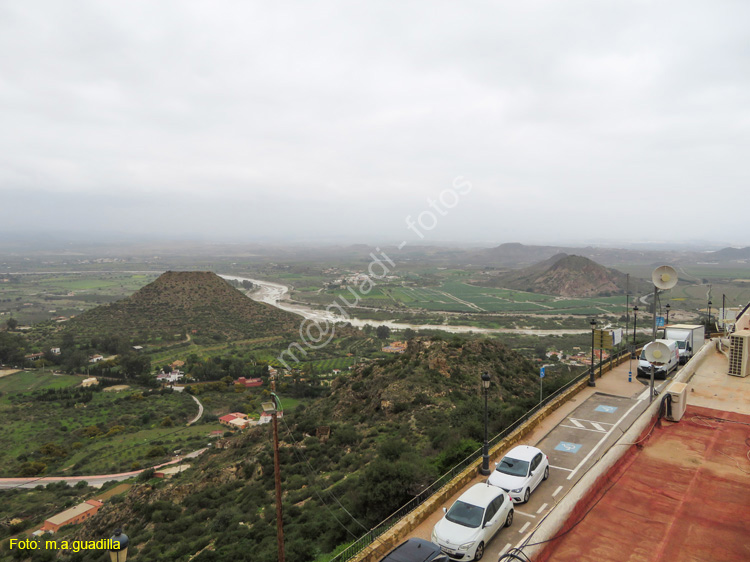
(546, 472)
(526, 495)
(509, 519)
(480, 552)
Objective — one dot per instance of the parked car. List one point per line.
(520, 472)
(476, 516)
(416, 550)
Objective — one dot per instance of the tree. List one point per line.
(383, 332)
(11, 324)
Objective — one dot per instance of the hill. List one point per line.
(567, 276)
(180, 303)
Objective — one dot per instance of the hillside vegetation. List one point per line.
(184, 303)
(394, 427)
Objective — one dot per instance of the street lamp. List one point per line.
(709, 315)
(668, 306)
(592, 382)
(120, 552)
(485, 470)
(635, 321)
(270, 407)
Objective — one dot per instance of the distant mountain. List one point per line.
(184, 302)
(568, 276)
(729, 254)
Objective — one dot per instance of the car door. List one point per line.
(537, 473)
(490, 521)
(501, 512)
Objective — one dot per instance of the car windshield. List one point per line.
(681, 344)
(514, 467)
(465, 514)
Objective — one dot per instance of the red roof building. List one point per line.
(249, 383)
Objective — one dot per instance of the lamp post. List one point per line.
(592, 382)
(120, 552)
(709, 315)
(485, 470)
(668, 306)
(635, 322)
(271, 407)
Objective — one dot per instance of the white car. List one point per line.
(472, 521)
(520, 472)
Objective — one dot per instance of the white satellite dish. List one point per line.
(656, 352)
(664, 277)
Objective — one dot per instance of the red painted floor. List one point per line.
(681, 495)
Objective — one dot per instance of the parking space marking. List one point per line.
(561, 468)
(526, 514)
(559, 489)
(597, 426)
(567, 447)
(606, 409)
(544, 506)
(576, 423)
(525, 526)
(602, 440)
(505, 549)
(582, 428)
(591, 421)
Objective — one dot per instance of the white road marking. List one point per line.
(593, 421)
(544, 506)
(525, 526)
(602, 440)
(597, 426)
(505, 549)
(526, 514)
(559, 489)
(561, 468)
(581, 428)
(576, 423)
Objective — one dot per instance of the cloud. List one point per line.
(569, 118)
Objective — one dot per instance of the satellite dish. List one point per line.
(656, 352)
(664, 277)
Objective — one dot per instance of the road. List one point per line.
(200, 411)
(95, 480)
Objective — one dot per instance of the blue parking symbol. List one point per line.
(606, 409)
(568, 447)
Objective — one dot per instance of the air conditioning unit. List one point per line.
(678, 392)
(739, 353)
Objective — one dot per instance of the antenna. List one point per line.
(664, 277)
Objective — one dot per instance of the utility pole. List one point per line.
(273, 409)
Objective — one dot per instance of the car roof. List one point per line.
(481, 494)
(413, 550)
(523, 453)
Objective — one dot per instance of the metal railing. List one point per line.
(364, 541)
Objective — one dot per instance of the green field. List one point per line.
(44, 429)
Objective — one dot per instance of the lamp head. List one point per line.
(269, 407)
(486, 379)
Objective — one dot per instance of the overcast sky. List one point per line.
(573, 120)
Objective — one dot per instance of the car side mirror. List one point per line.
(445, 510)
(497, 463)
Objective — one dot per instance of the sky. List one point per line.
(477, 122)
